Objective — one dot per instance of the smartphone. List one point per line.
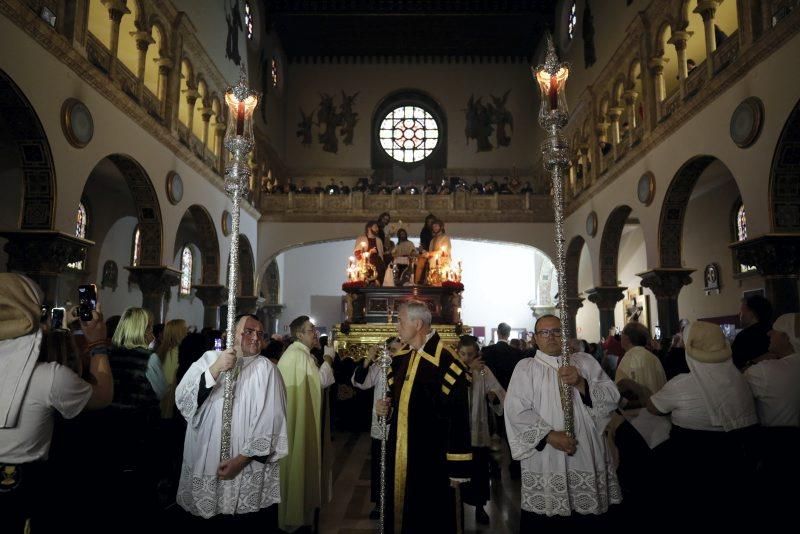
(87, 301)
(218, 343)
(57, 318)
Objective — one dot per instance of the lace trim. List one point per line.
(207, 496)
(603, 401)
(528, 438)
(584, 492)
(266, 446)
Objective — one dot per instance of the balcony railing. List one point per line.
(726, 52)
(696, 79)
(458, 206)
(669, 105)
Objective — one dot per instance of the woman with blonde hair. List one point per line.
(138, 377)
(174, 332)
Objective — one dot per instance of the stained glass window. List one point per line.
(80, 231)
(248, 20)
(137, 247)
(741, 233)
(274, 72)
(572, 22)
(409, 134)
(187, 259)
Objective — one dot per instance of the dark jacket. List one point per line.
(501, 358)
(750, 343)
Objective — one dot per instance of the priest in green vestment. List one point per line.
(301, 470)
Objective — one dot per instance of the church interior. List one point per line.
(667, 192)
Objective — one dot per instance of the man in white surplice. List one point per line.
(563, 478)
(248, 483)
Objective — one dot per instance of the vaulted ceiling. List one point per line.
(496, 28)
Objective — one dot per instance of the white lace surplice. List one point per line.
(373, 380)
(258, 428)
(554, 483)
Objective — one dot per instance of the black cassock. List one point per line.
(429, 438)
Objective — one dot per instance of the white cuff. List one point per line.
(210, 382)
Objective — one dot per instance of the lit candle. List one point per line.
(553, 93)
(240, 119)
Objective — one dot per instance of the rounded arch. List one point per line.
(609, 244)
(784, 202)
(573, 265)
(634, 73)
(246, 267)
(661, 37)
(148, 210)
(23, 130)
(271, 283)
(674, 207)
(157, 23)
(206, 240)
(620, 84)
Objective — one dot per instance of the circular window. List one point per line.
(409, 134)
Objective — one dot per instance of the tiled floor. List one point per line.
(348, 512)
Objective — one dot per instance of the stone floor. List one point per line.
(348, 512)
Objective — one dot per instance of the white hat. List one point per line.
(706, 343)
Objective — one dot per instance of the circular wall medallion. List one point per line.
(174, 187)
(646, 188)
(227, 222)
(746, 122)
(76, 122)
(591, 224)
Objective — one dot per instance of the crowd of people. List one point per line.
(448, 185)
(117, 424)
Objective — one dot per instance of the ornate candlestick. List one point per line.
(553, 116)
(239, 141)
(385, 363)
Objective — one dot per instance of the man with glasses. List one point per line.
(240, 493)
(302, 493)
(566, 480)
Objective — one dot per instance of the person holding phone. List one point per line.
(34, 384)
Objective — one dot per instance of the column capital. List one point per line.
(615, 113)
(771, 254)
(154, 279)
(211, 294)
(206, 113)
(143, 39)
(679, 38)
(191, 95)
(630, 96)
(248, 304)
(656, 64)
(706, 8)
(43, 252)
(666, 282)
(606, 297)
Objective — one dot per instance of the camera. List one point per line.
(57, 319)
(87, 301)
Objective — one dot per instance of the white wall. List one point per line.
(499, 278)
(117, 247)
(587, 320)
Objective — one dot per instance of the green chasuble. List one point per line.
(301, 483)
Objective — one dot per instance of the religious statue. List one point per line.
(349, 118)
(328, 116)
(234, 21)
(110, 274)
(502, 118)
(304, 127)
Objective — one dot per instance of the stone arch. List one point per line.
(784, 177)
(573, 264)
(618, 89)
(634, 72)
(156, 22)
(207, 243)
(246, 267)
(609, 244)
(25, 130)
(661, 37)
(148, 210)
(673, 210)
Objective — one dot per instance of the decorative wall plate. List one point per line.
(746, 122)
(646, 188)
(591, 224)
(76, 122)
(227, 222)
(174, 187)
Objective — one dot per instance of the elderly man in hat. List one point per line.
(710, 407)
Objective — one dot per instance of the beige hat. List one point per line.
(789, 324)
(706, 343)
(20, 305)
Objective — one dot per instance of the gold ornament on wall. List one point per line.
(76, 122)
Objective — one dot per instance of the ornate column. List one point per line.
(678, 40)
(206, 113)
(155, 282)
(630, 97)
(116, 10)
(666, 284)
(269, 314)
(191, 96)
(43, 256)
(213, 296)
(606, 298)
(584, 148)
(573, 304)
(707, 9)
(656, 66)
(143, 41)
(776, 257)
(614, 114)
(219, 134)
(164, 68)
